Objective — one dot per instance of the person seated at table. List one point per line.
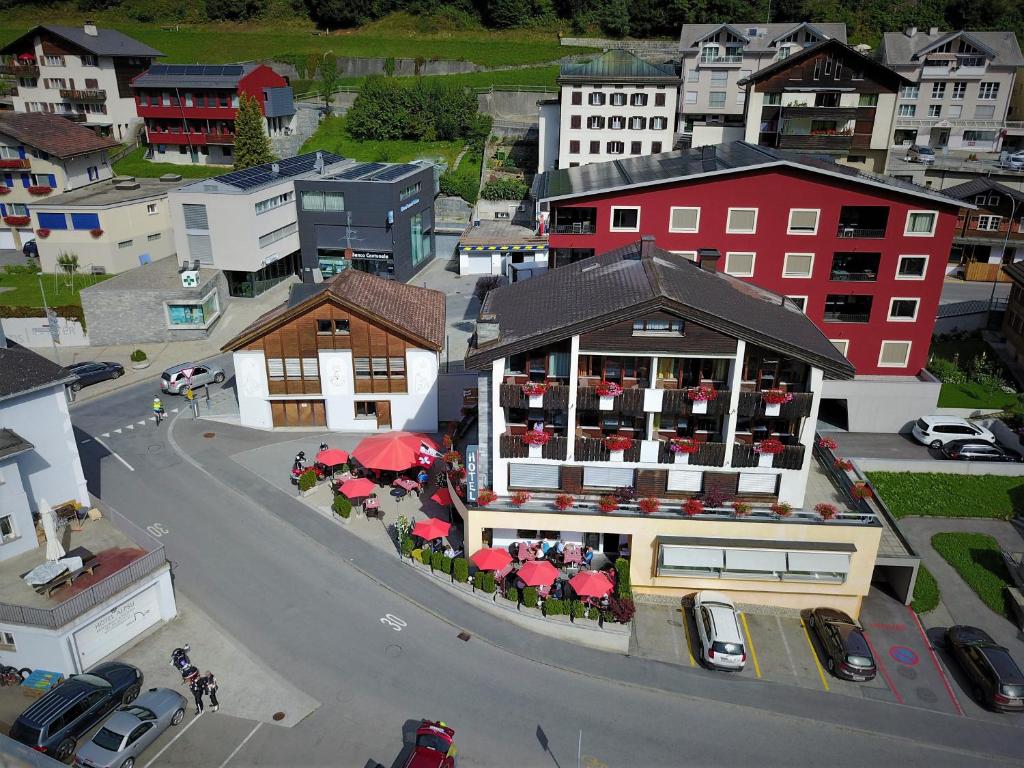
(556, 590)
(560, 546)
(545, 547)
(588, 556)
(422, 477)
(539, 553)
(449, 552)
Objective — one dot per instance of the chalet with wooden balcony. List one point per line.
(356, 353)
(989, 228)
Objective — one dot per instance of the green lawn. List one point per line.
(976, 558)
(931, 494)
(22, 290)
(926, 592)
(964, 350)
(332, 136)
(135, 164)
(972, 395)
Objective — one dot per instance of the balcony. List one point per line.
(594, 449)
(631, 401)
(855, 267)
(20, 70)
(863, 221)
(556, 397)
(574, 221)
(220, 138)
(730, 60)
(744, 455)
(15, 163)
(74, 117)
(859, 232)
(708, 455)
(91, 94)
(512, 447)
(576, 228)
(932, 71)
(813, 141)
(753, 404)
(675, 403)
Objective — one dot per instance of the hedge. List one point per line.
(530, 597)
(307, 480)
(408, 545)
(623, 589)
(512, 595)
(484, 581)
(342, 507)
(460, 569)
(425, 556)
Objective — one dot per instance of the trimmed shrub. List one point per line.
(530, 596)
(460, 569)
(307, 480)
(487, 583)
(417, 554)
(138, 356)
(512, 595)
(407, 546)
(343, 508)
(576, 609)
(622, 586)
(425, 556)
(446, 564)
(435, 560)
(552, 607)
(620, 610)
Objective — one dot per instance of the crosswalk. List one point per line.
(130, 427)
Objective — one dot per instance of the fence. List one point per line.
(985, 273)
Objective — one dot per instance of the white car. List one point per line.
(1015, 161)
(718, 626)
(936, 431)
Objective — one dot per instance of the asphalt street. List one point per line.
(377, 644)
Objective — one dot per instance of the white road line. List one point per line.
(130, 426)
(237, 749)
(117, 431)
(105, 434)
(785, 643)
(114, 454)
(141, 423)
(177, 736)
(83, 442)
(174, 410)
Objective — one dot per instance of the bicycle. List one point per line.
(12, 675)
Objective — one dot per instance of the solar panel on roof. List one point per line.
(250, 178)
(394, 172)
(358, 171)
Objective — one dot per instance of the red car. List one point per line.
(435, 746)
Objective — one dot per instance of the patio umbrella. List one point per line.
(360, 486)
(590, 584)
(491, 559)
(392, 451)
(431, 529)
(538, 573)
(441, 496)
(332, 457)
(54, 550)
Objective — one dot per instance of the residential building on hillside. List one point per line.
(41, 156)
(374, 217)
(638, 369)
(959, 95)
(826, 98)
(864, 256)
(990, 234)
(111, 225)
(716, 57)
(356, 353)
(82, 73)
(190, 110)
(245, 222)
(613, 105)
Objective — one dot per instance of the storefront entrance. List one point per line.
(298, 413)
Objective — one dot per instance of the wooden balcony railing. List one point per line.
(594, 449)
(556, 397)
(20, 70)
(709, 455)
(753, 404)
(89, 94)
(15, 163)
(675, 403)
(513, 447)
(792, 456)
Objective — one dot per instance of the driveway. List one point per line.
(880, 445)
(955, 290)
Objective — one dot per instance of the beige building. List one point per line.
(41, 157)
(111, 226)
(689, 396)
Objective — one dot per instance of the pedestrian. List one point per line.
(210, 682)
(198, 687)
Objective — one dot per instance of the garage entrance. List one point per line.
(833, 414)
(299, 413)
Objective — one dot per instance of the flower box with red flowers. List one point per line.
(8, 162)
(486, 497)
(860, 491)
(693, 507)
(96, 232)
(452, 458)
(607, 504)
(533, 437)
(770, 446)
(649, 505)
(702, 394)
(608, 389)
(534, 389)
(5, 190)
(43, 232)
(39, 191)
(618, 443)
(827, 511)
(782, 509)
(519, 498)
(741, 508)
(828, 443)
(684, 445)
(776, 397)
(16, 221)
(564, 501)
(845, 465)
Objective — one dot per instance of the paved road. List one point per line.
(960, 290)
(317, 604)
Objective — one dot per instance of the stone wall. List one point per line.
(640, 46)
(350, 66)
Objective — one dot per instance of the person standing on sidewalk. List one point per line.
(198, 687)
(210, 683)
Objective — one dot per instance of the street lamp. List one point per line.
(1006, 241)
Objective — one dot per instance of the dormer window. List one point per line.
(659, 327)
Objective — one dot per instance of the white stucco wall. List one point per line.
(708, 135)
(547, 137)
(884, 403)
(14, 502)
(253, 390)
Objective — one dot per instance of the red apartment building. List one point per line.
(863, 255)
(190, 110)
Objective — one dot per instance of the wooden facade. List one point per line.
(695, 339)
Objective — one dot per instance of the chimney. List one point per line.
(487, 329)
(275, 170)
(90, 28)
(647, 246)
(708, 259)
(933, 31)
(910, 31)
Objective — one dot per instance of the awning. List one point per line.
(520, 248)
(362, 239)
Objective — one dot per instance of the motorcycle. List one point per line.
(299, 467)
(181, 662)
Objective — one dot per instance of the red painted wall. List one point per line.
(773, 192)
(261, 77)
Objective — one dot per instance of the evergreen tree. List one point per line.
(252, 145)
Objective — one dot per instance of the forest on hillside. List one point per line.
(866, 20)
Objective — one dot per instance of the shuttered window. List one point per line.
(607, 477)
(293, 368)
(275, 368)
(692, 557)
(397, 365)
(751, 482)
(819, 562)
(362, 366)
(533, 476)
(195, 216)
(310, 368)
(682, 480)
(803, 221)
(759, 560)
(199, 248)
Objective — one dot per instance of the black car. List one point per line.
(996, 680)
(30, 250)
(978, 450)
(847, 653)
(54, 724)
(93, 373)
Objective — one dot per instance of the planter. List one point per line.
(606, 402)
(616, 455)
(680, 458)
(700, 406)
(536, 401)
(765, 459)
(536, 451)
(310, 492)
(772, 409)
(141, 366)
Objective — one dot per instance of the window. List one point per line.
(798, 265)
(989, 223)
(693, 76)
(195, 216)
(85, 221)
(635, 148)
(938, 90)
(638, 100)
(93, 173)
(125, 244)
(276, 201)
(867, 100)
(659, 123)
(410, 191)
(934, 110)
(150, 209)
(421, 240)
(616, 123)
(278, 234)
(657, 326)
(894, 354)
(574, 147)
(691, 97)
(773, 98)
(688, 255)
(637, 123)
(742, 221)
(842, 345)
(800, 302)
(7, 641)
(595, 147)
(595, 122)
(151, 238)
(659, 99)
(920, 224)
(909, 91)
(625, 220)
(911, 267)
(576, 121)
(955, 111)
(596, 99)
(319, 200)
(720, 76)
(716, 99)
(907, 110)
(615, 147)
(803, 221)
(784, 51)
(988, 91)
(684, 219)
(617, 100)
(655, 147)
(365, 409)
(959, 90)
(982, 112)
(53, 61)
(577, 98)
(7, 532)
(739, 264)
(379, 368)
(196, 314)
(903, 310)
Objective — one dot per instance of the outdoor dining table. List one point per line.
(407, 484)
(372, 504)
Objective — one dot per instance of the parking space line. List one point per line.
(241, 744)
(686, 631)
(789, 653)
(935, 661)
(177, 736)
(750, 643)
(114, 453)
(881, 668)
(814, 654)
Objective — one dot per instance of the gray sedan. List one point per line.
(132, 728)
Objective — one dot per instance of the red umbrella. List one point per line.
(332, 457)
(431, 529)
(392, 451)
(358, 487)
(590, 584)
(491, 559)
(441, 496)
(538, 573)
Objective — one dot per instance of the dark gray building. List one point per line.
(374, 217)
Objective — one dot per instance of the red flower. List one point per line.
(702, 394)
(861, 491)
(693, 507)
(684, 445)
(16, 221)
(564, 501)
(519, 498)
(5, 190)
(608, 389)
(534, 389)
(618, 442)
(741, 508)
(96, 232)
(40, 190)
(843, 464)
(649, 505)
(485, 497)
(607, 503)
(452, 457)
(533, 437)
(776, 397)
(782, 509)
(770, 445)
(43, 232)
(827, 511)
(829, 443)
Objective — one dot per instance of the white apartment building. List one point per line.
(716, 57)
(609, 107)
(82, 73)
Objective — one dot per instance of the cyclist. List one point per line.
(158, 410)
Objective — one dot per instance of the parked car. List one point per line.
(1013, 161)
(996, 680)
(434, 747)
(30, 250)
(126, 733)
(87, 373)
(847, 653)
(936, 431)
(920, 154)
(54, 724)
(718, 627)
(176, 379)
(978, 450)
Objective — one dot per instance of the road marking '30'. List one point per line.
(393, 621)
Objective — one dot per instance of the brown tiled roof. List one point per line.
(52, 133)
(419, 312)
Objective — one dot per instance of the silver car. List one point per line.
(177, 379)
(126, 733)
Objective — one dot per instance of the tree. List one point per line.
(328, 79)
(252, 145)
(234, 10)
(508, 13)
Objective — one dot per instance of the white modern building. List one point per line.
(82, 73)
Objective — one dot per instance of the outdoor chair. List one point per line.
(523, 552)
